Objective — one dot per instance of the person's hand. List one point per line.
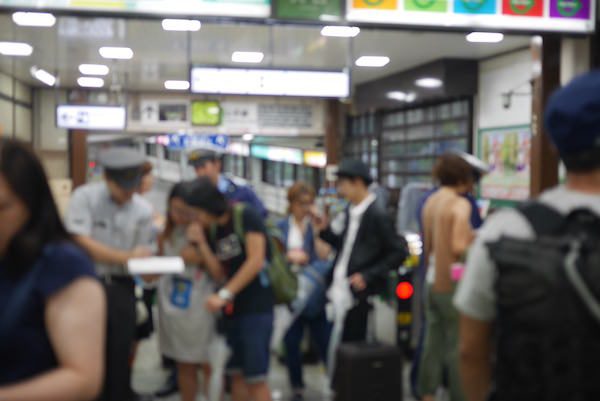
(298, 257)
(215, 303)
(320, 222)
(140, 252)
(190, 254)
(195, 234)
(357, 281)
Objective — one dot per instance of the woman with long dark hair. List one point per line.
(52, 308)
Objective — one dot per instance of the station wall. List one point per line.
(15, 109)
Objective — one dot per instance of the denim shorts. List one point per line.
(249, 337)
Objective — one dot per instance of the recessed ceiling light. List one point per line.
(429, 83)
(119, 53)
(177, 85)
(15, 49)
(247, 57)
(94, 69)
(372, 61)
(340, 31)
(248, 137)
(34, 19)
(43, 76)
(485, 37)
(181, 25)
(397, 95)
(90, 82)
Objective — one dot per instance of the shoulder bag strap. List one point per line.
(543, 219)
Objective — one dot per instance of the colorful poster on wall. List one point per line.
(475, 6)
(507, 150)
(578, 9)
(375, 4)
(440, 6)
(308, 9)
(523, 8)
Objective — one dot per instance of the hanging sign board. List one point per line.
(226, 8)
(575, 16)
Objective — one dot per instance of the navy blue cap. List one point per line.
(573, 115)
(352, 168)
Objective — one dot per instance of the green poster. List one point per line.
(440, 6)
(307, 9)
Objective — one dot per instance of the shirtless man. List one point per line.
(448, 234)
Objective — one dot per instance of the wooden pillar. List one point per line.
(333, 131)
(78, 157)
(544, 158)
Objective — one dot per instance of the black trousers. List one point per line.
(355, 325)
(121, 332)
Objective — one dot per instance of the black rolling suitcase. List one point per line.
(368, 372)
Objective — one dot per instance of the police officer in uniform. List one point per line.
(207, 163)
(114, 224)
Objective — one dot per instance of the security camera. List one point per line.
(506, 100)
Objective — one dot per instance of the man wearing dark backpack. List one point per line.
(530, 324)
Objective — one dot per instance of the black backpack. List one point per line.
(548, 322)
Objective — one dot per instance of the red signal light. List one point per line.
(404, 290)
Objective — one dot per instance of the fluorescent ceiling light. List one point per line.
(397, 95)
(248, 137)
(119, 53)
(15, 49)
(94, 69)
(43, 76)
(340, 31)
(181, 25)
(177, 85)
(410, 97)
(372, 61)
(485, 37)
(247, 57)
(34, 19)
(429, 83)
(90, 82)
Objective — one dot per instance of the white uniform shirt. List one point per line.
(94, 214)
(475, 296)
(339, 293)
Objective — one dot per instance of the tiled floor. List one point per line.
(148, 377)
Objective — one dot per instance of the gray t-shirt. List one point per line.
(475, 296)
(93, 213)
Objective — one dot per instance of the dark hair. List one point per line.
(298, 190)
(26, 178)
(451, 170)
(582, 162)
(203, 194)
(177, 191)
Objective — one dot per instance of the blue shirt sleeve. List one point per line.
(61, 265)
(248, 196)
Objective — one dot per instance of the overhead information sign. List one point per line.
(228, 8)
(103, 118)
(320, 10)
(234, 81)
(529, 15)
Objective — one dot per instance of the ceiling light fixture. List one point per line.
(340, 31)
(94, 69)
(373, 61)
(485, 37)
(247, 57)
(22, 18)
(43, 76)
(248, 137)
(177, 85)
(118, 53)
(397, 95)
(410, 97)
(90, 82)
(15, 49)
(429, 83)
(181, 25)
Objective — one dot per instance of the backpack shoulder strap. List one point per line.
(238, 221)
(543, 219)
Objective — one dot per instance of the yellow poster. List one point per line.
(375, 4)
(110, 4)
